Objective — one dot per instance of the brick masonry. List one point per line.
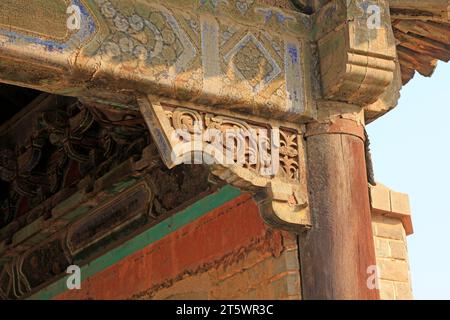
(391, 223)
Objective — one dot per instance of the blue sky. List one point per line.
(411, 153)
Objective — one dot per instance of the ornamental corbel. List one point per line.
(272, 165)
(356, 48)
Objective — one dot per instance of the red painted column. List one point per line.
(337, 252)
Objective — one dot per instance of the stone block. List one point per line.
(382, 248)
(398, 250)
(389, 228)
(387, 290)
(392, 204)
(400, 203)
(392, 269)
(403, 291)
(380, 198)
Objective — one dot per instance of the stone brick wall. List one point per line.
(391, 223)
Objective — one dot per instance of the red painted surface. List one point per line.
(222, 231)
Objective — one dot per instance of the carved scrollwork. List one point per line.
(289, 154)
(67, 140)
(184, 119)
(69, 134)
(245, 141)
(250, 154)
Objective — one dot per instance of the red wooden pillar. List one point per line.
(337, 252)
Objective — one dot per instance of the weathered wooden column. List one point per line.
(357, 62)
(338, 250)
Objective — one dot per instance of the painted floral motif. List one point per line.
(244, 5)
(253, 63)
(155, 40)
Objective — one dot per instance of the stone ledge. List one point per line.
(389, 203)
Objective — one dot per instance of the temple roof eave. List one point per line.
(422, 31)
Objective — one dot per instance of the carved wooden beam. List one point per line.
(64, 200)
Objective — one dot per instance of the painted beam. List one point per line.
(234, 53)
(155, 233)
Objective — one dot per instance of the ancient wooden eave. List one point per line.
(254, 65)
(421, 28)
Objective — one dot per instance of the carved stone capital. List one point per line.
(263, 157)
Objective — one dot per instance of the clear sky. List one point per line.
(411, 154)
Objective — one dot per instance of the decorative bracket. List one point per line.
(357, 50)
(263, 157)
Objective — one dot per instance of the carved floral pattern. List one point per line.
(65, 143)
(253, 142)
(289, 154)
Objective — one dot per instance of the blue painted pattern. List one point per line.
(88, 28)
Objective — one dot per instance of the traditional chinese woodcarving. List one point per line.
(61, 145)
(81, 177)
(264, 158)
(257, 66)
(97, 221)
